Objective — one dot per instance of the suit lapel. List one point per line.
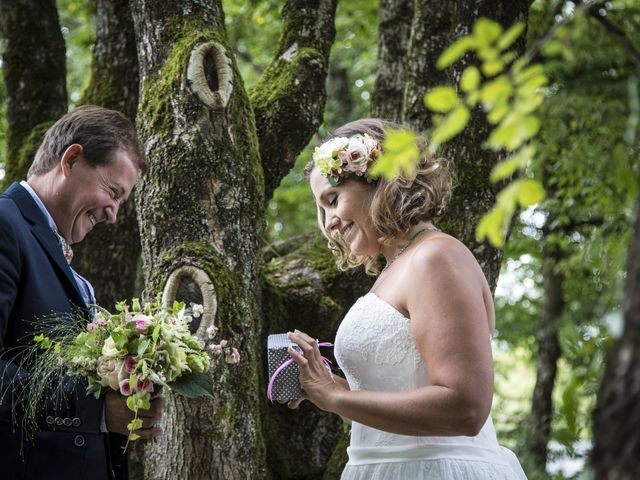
(47, 239)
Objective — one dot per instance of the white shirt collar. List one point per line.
(43, 209)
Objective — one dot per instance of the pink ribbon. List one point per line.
(325, 361)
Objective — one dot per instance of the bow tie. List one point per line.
(66, 248)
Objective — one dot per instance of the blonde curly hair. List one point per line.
(398, 204)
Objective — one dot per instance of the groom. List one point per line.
(85, 168)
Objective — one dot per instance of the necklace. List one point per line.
(430, 228)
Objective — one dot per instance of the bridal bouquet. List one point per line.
(136, 351)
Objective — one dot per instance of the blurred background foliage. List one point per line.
(587, 159)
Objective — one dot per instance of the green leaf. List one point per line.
(134, 424)
(492, 67)
(530, 192)
(552, 48)
(513, 131)
(511, 35)
(120, 339)
(131, 403)
(515, 162)
(531, 86)
(192, 385)
(490, 227)
(528, 104)
(441, 99)
(400, 154)
(528, 73)
(498, 112)
(496, 91)
(486, 31)
(451, 125)
(142, 346)
(454, 51)
(470, 79)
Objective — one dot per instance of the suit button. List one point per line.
(58, 421)
(76, 422)
(50, 420)
(67, 422)
(79, 441)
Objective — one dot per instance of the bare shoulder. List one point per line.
(442, 271)
(441, 254)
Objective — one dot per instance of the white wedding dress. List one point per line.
(375, 350)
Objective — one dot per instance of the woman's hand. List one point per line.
(317, 382)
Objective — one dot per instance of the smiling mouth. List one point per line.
(92, 219)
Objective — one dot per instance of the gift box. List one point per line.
(284, 382)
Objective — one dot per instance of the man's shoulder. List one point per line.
(9, 210)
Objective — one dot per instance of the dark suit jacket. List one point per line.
(36, 281)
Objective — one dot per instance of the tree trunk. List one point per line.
(33, 64)
(195, 116)
(393, 41)
(546, 360)
(109, 256)
(304, 290)
(289, 98)
(435, 26)
(616, 452)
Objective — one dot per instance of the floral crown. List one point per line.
(339, 157)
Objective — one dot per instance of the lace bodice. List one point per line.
(375, 350)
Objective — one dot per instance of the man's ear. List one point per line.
(70, 157)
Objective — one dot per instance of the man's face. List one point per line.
(90, 195)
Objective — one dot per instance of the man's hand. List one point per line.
(117, 416)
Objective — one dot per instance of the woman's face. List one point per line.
(345, 210)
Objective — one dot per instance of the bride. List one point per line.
(416, 349)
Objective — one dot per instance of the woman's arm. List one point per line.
(449, 324)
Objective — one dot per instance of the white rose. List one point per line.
(111, 372)
(109, 349)
(358, 156)
(329, 148)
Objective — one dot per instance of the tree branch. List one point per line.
(618, 34)
(288, 100)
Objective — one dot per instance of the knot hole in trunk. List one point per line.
(210, 75)
(190, 285)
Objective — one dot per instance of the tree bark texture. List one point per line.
(195, 116)
(303, 290)
(393, 41)
(109, 256)
(546, 360)
(34, 69)
(289, 98)
(616, 452)
(435, 26)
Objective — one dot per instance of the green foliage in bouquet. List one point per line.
(137, 351)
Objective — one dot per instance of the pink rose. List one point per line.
(223, 343)
(144, 385)
(142, 323)
(125, 387)
(130, 363)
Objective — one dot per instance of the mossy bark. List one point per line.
(109, 256)
(303, 289)
(435, 26)
(393, 41)
(289, 98)
(616, 451)
(33, 64)
(213, 220)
